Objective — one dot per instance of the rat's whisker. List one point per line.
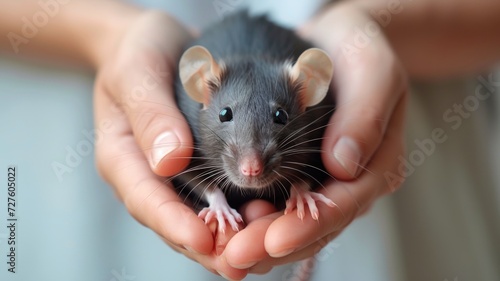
(299, 130)
(220, 180)
(286, 193)
(225, 183)
(305, 174)
(312, 167)
(294, 137)
(357, 163)
(303, 143)
(214, 133)
(286, 179)
(310, 151)
(200, 167)
(205, 186)
(323, 171)
(149, 195)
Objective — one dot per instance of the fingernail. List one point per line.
(244, 266)
(223, 275)
(283, 253)
(163, 145)
(348, 154)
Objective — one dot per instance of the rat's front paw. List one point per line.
(219, 209)
(221, 213)
(300, 195)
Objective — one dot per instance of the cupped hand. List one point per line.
(143, 136)
(361, 145)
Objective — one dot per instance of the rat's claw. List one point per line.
(300, 195)
(203, 213)
(226, 214)
(236, 215)
(290, 204)
(221, 215)
(313, 209)
(300, 207)
(219, 209)
(221, 220)
(322, 198)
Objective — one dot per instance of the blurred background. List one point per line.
(442, 225)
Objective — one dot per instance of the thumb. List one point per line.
(366, 99)
(159, 128)
(369, 81)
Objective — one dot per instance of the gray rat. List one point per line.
(257, 99)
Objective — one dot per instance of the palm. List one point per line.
(134, 101)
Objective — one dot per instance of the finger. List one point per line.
(368, 82)
(245, 250)
(160, 129)
(368, 89)
(352, 197)
(247, 247)
(215, 264)
(146, 196)
(222, 236)
(143, 86)
(319, 251)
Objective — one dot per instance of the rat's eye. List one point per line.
(280, 116)
(226, 114)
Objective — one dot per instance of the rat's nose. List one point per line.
(251, 165)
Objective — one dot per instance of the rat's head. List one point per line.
(251, 115)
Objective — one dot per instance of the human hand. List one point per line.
(144, 136)
(361, 145)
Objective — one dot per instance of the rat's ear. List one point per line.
(314, 70)
(196, 68)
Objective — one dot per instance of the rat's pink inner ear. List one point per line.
(314, 70)
(196, 68)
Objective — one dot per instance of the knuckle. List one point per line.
(131, 206)
(133, 202)
(141, 199)
(148, 123)
(103, 165)
(347, 219)
(376, 125)
(342, 219)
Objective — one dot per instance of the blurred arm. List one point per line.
(83, 31)
(440, 38)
